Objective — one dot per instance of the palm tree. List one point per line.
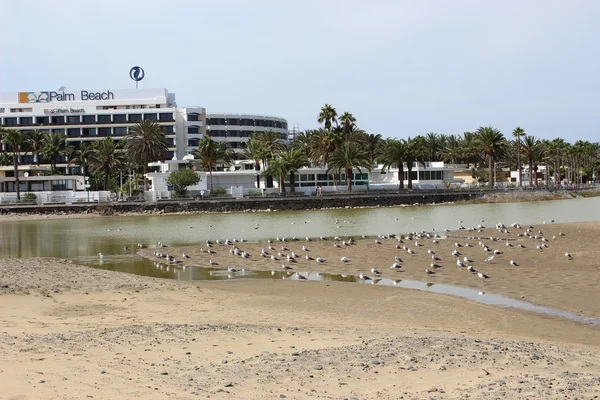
(145, 143)
(433, 145)
(518, 133)
(415, 153)
(35, 140)
(532, 150)
(106, 159)
(81, 157)
(302, 141)
(255, 151)
(294, 159)
(323, 145)
(452, 149)
(327, 116)
(15, 139)
(372, 145)
(207, 153)
(347, 121)
(393, 153)
(489, 141)
(54, 147)
(347, 157)
(279, 169)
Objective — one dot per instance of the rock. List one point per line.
(317, 367)
(164, 373)
(42, 381)
(282, 396)
(228, 384)
(375, 362)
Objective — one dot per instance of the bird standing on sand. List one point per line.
(375, 271)
(364, 277)
(513, 263)
(344, 259)
(429, 272)
(568, 256)
(320, 260)
(396, 266)
(482, 276)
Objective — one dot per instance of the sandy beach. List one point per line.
(72, 332)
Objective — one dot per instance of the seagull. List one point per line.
(489, 259)
(429, 272)
(566, 255)
(211, 262)
(101, 255)
(185, 255)
(460, 264)
(320, 260)
(301, 277)
(471, 269)
(344, 259)
(231, 269)
(274, 258)
(521, 246)
(482, 276)
(411, 251)
(398, 259)
(283, 266)
(513, 263)
(435, 258)
(375, 271)
(457, 244)
(434, 265)
(304, 248)
(364, 277)
(377, 241)
(396, 266)
(455, 253)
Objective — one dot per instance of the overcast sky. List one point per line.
(402, 68)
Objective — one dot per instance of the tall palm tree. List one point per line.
(81, 157)
(489, 141)
(518, 133)
(393, 154)
(327, 116)
(415, 153)
(106, 159)
(372, 145)
(347, 157)
(433, 145)
(452, 150)
(35, 140)
(145, 143)
(15, 139)
(323, 145)
(347, 122)
(55, 146)
(302, 141)
(294, 159)
(255, 151)
(532, 150)
(207, 153)
(279, 169)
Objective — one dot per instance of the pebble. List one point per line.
(375, 362)
(317, 367)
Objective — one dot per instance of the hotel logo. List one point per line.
(33, 97)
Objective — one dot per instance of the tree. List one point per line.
(294, 159)
(15, 140)
(182, 179)
(452, 150)
(255, 151)
(81, 157)
(372, 145)
(323, 145)
(518, 133)
(393, 153)
(327, 116)
(415, 153)
(278, 169)
(207, 153)
(347, 121)
(146, 142)
(347, 157)
(106, 158)
(532, 150)
(432, 143)
(54, 147)
(489, 141)
(36, 140)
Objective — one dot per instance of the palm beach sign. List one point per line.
(50, 97)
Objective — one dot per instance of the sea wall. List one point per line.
(247, 204)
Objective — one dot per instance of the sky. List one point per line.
(402, 68)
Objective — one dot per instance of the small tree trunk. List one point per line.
(519, 162)
(530, 172)
(145, 180)
(281, 185)
(211, 177)
(349, 179)
(17, 183)
(409, 168)
(292, 182)
(492, 178)
(401, 174)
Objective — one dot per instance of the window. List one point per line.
(151, 117)
(193, 129)
(167, 129)
(193, 142)
(232, 121)
(73, 119)
(104, 119)
(62, 184)
(190, 117)
(120, 118)
(169, 155)
(10, 122)
(135, 117)
(57, 120)
(89, 131)
(73, 132)
(120, 131)
(42, 120)
(171, 142)
(89, 119)
(166, 117)
(26, 120)
(104, 131)
(61, 131)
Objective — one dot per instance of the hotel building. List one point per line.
(90, 115)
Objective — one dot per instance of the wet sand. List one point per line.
(544, 277)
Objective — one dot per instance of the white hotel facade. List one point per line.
(90, 115)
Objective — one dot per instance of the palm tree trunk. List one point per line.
(211, 177)
(491, 179)
(145, 180)
(349, 179)
(17, 183)
(292, 182)
(281, 185)
(401, 174)
(409, 168)
(519, 161)
(530, 171)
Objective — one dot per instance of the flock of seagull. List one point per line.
(279, 250)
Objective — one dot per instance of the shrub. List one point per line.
(29, 197)
(219, 191)
(181, 179)
(254, 192)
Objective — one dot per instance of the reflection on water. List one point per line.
(77, 237)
